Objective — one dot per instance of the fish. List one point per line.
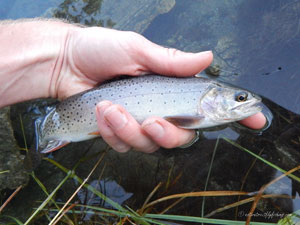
(189, 103)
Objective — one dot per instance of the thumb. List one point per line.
(168, 61)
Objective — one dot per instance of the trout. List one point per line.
(190, 103)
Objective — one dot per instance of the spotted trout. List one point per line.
(189, 103)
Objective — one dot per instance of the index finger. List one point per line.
(255, 122)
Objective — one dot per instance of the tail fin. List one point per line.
(37, 124)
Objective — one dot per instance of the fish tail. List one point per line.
(37, 124)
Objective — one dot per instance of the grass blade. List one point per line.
(201, 220)
(48, 198)
(197, 194)
(10, 198)
(261, 159)
(89, 187)
(59, 215)
(14, 219)
(4, 171)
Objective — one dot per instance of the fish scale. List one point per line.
(197, 101)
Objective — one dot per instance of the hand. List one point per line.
(98, 54)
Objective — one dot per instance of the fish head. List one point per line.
(224, 104)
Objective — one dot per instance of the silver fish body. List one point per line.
(189, 103)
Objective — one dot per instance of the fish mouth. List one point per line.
(253, 106)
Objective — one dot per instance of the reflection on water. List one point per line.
(256, 46)
(248, 38)
(84, 12)
(110, 189)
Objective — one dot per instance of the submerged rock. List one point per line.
(133, 15)
(12, 173)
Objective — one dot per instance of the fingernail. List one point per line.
(154, 129)
(115, 118)
(101, 105)
(205, 53)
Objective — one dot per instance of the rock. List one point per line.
(139, 13)
(12, 173)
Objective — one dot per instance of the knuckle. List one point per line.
(172, 143)
(108, 135)
(149, 149)
(121, 147)
(128, 135)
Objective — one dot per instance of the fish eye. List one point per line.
(241, 97)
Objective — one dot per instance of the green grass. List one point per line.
(4, 171)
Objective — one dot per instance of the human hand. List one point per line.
(99, 54)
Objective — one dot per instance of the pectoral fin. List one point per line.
(54, 145)
(187, 122)
(97, 133)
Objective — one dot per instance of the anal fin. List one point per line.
(186, 121)
(54, 145)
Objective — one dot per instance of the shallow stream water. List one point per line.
(256, 44)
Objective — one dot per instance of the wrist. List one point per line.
(32, 54)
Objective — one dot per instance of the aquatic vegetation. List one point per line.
(113, 211)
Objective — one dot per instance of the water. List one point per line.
(257, 47)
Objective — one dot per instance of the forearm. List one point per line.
(31, 56)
